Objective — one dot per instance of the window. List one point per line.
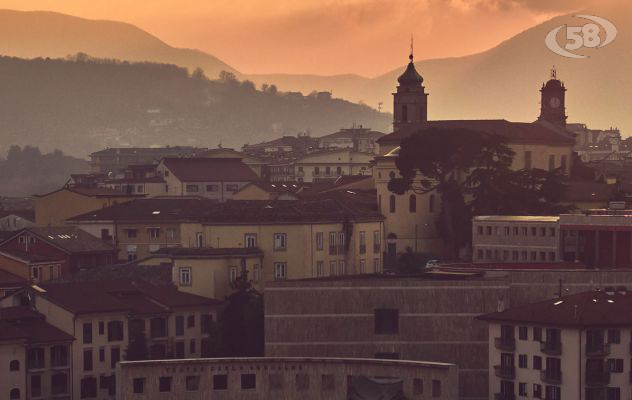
(516, 231)
(613, 393)
(192, 383)
(220, 382)
(418, 386)
(320, 268)
(302, 381)
(614, 336)
(615, 365)
(522, 361)
(412, 203)
(431, 203)
(171, 233)
(59, 383)
(342, 269)
(275, 381)
(376, 266)
(180, 350)
(192, 188)
(537, 362)
(35, 358)
(552, 231)
(157, 327)
(58, 356)
(250, 240)
(537, 334)
(36, 273)
(527, 160)
(248, 381)
(115, 331)
(211, 188)
(115, 356)
(185, 276)
(88, 387)
(206, 323)
(101, 327)
(14, 394)
(522, 389)
(332, 243)
(14, 365)
(523, 333)
(341, 243)
(256, 273)
(553, 393)
(362, 236)
(376, 242)
(139, 385)
(199, 240)
(164, 384)
(551, 162)
(332, 267)
(319, 240)
(534, 231)
(87, 360)
(192, 346)
(131, 233)
(179, 325)
(327, 382)
(101, 354)
(391, 203)
(232, 188)
(154, 233)
(280, 241)
(386, 321)
(362, 266)
(191, 321)
(537, 391)
(316, 171)
(436, 388)
(327, 170)
(36, 385)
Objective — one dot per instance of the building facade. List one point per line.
(115, 160)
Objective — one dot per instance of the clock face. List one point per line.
(554, 102)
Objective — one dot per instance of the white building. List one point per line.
(567, 348)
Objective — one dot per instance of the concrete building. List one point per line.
(430, 317)
(570, 347)
(524, 239)
(286, 378)
(115, 160)
(212, 178)
(104, 319)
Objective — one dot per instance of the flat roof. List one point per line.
(517, 218)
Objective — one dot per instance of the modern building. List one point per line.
(570, 347)
(108, 320)
(307, 378)
(411, 218)
(62, 249)
(114, 160)
(523, 239)
(212, 178)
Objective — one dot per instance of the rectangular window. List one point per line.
(256, 273)
(332, 243)
(280, 270)
(537, 362)
(527, 160)
(280, 241)
(232, 188)
(87, 360)
(101, 354)
(115, 331)
(537, 391)
(248, 381)
(376, 266)
(320, 268)
(232, 274)
(362, 242)
(537, 334)
(139, 385)
(154, 233)
(614, 336)
(319, 240)
(131, 233)
(191, 321)
(418, 386)
(522, 389)
(88, 387)
(376, 242)
(59, 356)
(192, 188)
(211, 188)
(220, 382)
(341, 243)
(164, 384)
(332, 268)
(615, 365)
(115, 356)
(192, 383)
(179, 325)
(250, 240)
(342, 268)
(523, 333)
(612, 393)
(185, 276)
(192, 347)
(171, 233)
(386, 321)
(362, 266)
(553, 393)
(87, 333)
(101, 327)
(522, 361)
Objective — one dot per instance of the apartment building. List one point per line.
(323, 165)
(35, 356)
(108, 320)
(570, 347)
(357, 138)
(287, 378)
(212, 178)
(516, 239)
(255, 163)
(30, 267)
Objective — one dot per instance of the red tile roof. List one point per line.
(69, 239)
(594, 308)
(210, 169)
(515, 132)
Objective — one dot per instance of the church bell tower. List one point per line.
(552, 102)
(410, 103)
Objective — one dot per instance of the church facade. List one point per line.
(411, 218)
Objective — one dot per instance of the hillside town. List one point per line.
(298, 267)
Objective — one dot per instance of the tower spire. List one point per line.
(553, 72)
(411, 56)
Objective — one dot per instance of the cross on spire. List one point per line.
(553, 72)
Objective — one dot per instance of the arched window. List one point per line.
(391, 205)
(431, 205)
(14, 365)
(404, 113)
(412, 203)
(14, 394)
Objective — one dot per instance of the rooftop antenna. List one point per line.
(553, 72)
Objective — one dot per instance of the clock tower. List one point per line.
(410, 103)
(552, 103)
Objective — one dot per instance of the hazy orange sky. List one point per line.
(319, 36)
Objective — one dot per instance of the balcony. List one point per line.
(553, 377)
(505, 343)
(504, 396)
(598, 378)
(551, 348)
(505, 371)
(597, 349)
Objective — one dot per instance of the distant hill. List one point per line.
(26, 171)
(31, 34)
(503, 82)
(83, 105)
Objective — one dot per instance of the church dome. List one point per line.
(554, 84)
(410, 76)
